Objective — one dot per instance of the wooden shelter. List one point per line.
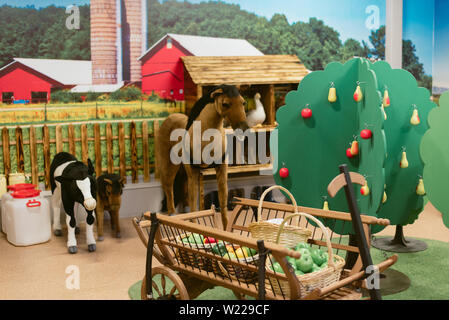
(272, 76)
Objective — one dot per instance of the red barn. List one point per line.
(163, 70)
(32, 80)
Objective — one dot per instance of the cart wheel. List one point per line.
(165, 289)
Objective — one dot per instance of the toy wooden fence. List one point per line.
(130, 157)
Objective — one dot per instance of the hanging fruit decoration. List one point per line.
(365, 190)
(306, 113)
(349, 153)
(385, 114)
(326, 205)
(384, 198)
(420, 188)
(358, 95)
(366, 134)
(386, 100)
(415, 120)
(284, 173)
(355, 148)
(332, 97)
(404, 161)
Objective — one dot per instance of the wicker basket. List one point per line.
(311, 281)
(194, 259)
(267, 231)
(238, 273)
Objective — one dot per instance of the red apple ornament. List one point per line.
(306, 113)
(366, 134)
(284, 173)
(349, 153)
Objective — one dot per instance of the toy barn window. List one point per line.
(169, 43)
(7, 97)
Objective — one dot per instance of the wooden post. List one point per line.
(71, 136)
(358, 228)
(121, 144)
(6, 155)
(19, 151)
(271, 112)
(47, 161)
(84, 144)
(98, 168)
(133, 145)
(155, 131)
(59, 144)
(109, 147)
(146, 152)
(33, 157)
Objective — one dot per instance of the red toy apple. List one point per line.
(284, 173)
(349, 153)
(366, 134)
(306, 113)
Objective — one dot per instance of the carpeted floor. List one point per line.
(427, 270)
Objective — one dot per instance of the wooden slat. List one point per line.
(84, 144)
(33, 157)
(59, 142)
(47, 161)
(19, 151)
(155, 131)
(133, 146)
(6, 155)
(121, 144)
(71, 136)
(109, 146)
(98, 168)
(146, 152)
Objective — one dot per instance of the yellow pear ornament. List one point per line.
(332, 97)
(420, 191)
(404, 161)
(358, 94)
(415, 118)
(386, 99)
(326, 206)
(365, 190)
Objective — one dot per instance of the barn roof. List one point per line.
(67, 72)
(268, 69)
(210, 46)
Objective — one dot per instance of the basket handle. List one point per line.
(259, 209)
(322, 227)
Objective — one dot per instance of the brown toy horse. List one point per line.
(223, 102)
(110, 189)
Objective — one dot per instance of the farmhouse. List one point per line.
(32, 80)
(162, 68)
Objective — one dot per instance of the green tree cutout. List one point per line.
(312, 149)
(403, 204)
(435, 155)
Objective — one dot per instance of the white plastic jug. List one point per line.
(7, 196)
(28, 219)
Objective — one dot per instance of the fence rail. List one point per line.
(125, 148)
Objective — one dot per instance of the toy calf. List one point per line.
(110, 189)
(72, 181)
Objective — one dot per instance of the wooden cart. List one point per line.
(192, 269)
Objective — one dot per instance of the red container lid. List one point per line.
(26, 193)
(21, 186)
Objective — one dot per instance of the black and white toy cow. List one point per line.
(72, 181)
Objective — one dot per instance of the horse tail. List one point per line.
(179, 189)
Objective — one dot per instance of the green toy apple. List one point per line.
(277, 267)
(315, 267)
(302, 245)
(305, 263)
(299, 272)
(318, 256)
(304, 252)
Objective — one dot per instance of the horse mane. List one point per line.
(229, 90)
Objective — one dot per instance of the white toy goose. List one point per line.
(256, 117)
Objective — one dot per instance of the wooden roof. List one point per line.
(268, 69)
